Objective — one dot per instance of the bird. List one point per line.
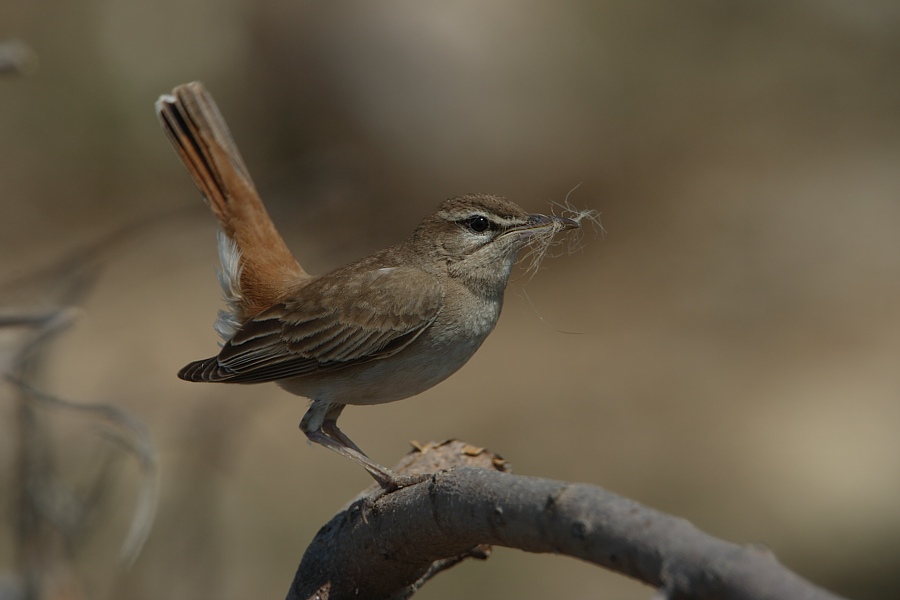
(380, 329)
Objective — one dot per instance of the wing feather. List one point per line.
(320, 330)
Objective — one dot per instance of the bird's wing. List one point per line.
(322, 330)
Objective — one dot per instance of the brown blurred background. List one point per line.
(729, 351)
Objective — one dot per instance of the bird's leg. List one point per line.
(385, 477)
(330, 428)
(329, 435)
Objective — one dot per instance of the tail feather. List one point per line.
(201, 138)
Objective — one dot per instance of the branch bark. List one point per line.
(389, 545)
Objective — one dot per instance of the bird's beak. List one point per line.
(537, 224)
(539, 221)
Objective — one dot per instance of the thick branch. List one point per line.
(385, 545)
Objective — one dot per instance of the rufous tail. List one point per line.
(197, 130)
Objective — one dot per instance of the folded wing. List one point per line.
(320, 330)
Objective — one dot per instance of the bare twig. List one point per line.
(50, 512)
(131, 435)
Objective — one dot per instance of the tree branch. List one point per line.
(389, 545)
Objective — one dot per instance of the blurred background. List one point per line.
(728, 351)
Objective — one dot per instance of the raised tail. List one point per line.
(257, 267)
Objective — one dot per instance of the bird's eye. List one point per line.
(478, 223)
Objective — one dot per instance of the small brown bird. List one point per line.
(380, 329)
